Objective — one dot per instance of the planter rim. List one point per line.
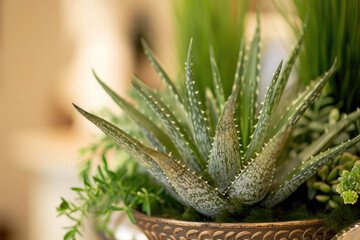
(228, 225)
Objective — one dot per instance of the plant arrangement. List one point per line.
(223, 160)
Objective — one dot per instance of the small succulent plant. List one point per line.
(324, 185)
(228, 154)
(349, 186)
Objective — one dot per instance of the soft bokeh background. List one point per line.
(47, 51)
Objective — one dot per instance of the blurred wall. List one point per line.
(45, 56)
(33, 52)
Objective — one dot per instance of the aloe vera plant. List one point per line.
(227, 154)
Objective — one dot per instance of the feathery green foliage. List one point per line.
(238, 165)
(110, 191)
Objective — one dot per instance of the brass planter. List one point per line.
(168, 229)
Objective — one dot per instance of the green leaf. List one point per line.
(198, 125)
(193, 190)
(77, 189)
(328, 136)
(212, 111)
(302, 103)
(284, 76)
(70, 235)
(219, 91)
(174, 129)
(254, 181)
(175, 93)
(225, 157)
(304, 172)
(130, 215)
(64, 205)
(350, 197)
(155, 135)
(162, 74)
(261, 127)
(249, 87)
(129, 145)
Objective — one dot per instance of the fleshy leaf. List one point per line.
(325, 138)
(263, 123)
(315, 147)
(225, 156)
(131, 146)
(174, 129)
(155, 135)
(304, 172)
(193, 190)
(302, 103)
(254, 182)
(219, 91)
(173, 90)
(212, 111)
(249, 87)
(284, 76)
(198, 125)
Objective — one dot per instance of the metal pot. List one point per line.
(163, 229)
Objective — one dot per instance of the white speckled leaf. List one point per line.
(173, 90)
(154, 134)
(299, 106)
(253, 183)
(198, 125)
(225, 156)
(219, 91)
(261, 129)
(132, 147)
(212, 111)
(314, 148)
(284, 76)
(249, 89)
(193, 190)
(304, 172)
(173, 127)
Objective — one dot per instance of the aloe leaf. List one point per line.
(284, 76)
(326, 138)
(304, 172)
(219, 91)
(174, 91)
(261, 127)
(254, 181)
(132, 147)
(174, 129)
(225, 156)
(302, 103)
(193, 190)
(162, 74)
(249, 89)
(212, 111)
(154, 134)
(199, 128)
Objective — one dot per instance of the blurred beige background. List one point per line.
(47, 50)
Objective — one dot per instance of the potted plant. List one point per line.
(221, 163)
